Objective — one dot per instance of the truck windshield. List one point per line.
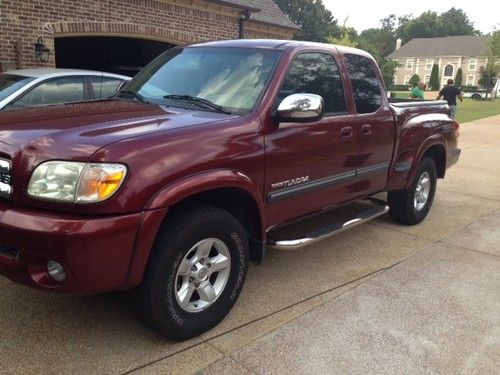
(10, 83)
(208, 78)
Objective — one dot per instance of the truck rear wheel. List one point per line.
(410, 206)
(195, 273)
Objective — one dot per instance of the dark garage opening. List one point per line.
(109, 54)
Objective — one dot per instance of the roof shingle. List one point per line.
(448, 46)
(265, 11)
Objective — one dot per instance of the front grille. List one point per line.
(5, 178)
(8, 251)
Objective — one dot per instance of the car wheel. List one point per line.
(195, 273)
(410, 206)
(476, 97)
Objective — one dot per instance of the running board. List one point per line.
(329, 229)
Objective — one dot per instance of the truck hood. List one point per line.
(77, 130)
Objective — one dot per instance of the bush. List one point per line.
(400, 88)
(414, 80)
(469, 88)
(459, 78)
(434, 80)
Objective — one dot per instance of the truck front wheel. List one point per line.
(410, 206)
(195, 273)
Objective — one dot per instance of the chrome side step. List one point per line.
(330, 229)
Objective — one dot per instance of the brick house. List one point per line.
(124, 35)
(449, 53)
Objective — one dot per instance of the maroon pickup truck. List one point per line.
(205, 159)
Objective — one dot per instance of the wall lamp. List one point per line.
(42, 52)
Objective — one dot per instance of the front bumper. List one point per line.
(94, 251)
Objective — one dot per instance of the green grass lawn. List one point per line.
(468, 110)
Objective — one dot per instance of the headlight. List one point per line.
(70, 181)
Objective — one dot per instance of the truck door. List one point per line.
(310, 165)
(374, 126)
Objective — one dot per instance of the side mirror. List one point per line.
(300, 108)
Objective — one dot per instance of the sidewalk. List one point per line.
(379, 298)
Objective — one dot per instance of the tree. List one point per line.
(388, 69)
(488, 76)
(316, 22)
(414, 80)
(494, 44)
(348, 38)
(430, 25)
(455, 22)
(459, 78)
(434, 79)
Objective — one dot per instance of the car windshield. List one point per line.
(10, 83)
(210, 78)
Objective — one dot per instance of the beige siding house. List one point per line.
(449, 53)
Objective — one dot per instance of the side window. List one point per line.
(55, 91)
(315, 73)
(104, 87)
(366, 87)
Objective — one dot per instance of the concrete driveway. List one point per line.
(381, 298)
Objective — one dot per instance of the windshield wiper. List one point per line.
(196, 99)
(134, 94)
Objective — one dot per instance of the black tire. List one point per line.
(155, 300)
(476, 97)
(402, 203)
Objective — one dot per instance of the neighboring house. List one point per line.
(449, 53)
(121, 36)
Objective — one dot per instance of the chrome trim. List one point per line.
(372, 169)
(4, 166)
(300, 107)
(330, 230)
(5, 190)
(311, 186)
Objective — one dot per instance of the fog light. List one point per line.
(56, 271)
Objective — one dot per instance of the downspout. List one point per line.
(245, 15)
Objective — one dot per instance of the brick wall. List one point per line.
(172, 21)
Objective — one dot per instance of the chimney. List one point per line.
(398, 44)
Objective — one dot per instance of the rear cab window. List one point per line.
(315, 73)
(366, 87)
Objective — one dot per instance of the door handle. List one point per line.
(346, 132)
(366, 129)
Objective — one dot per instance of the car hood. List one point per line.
(77, 130)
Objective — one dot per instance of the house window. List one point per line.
(427, 78)
(407, 80)
(448, 70)
(472, 64)
(429, 64)
(409, 64)
(470, 80)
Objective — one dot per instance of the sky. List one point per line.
(364, 14)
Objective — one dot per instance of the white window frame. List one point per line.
(471, 82)
(406, 81)
(409, 64)
(429, 63)
(472, 64)
(427, 78)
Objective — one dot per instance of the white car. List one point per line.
(35, 87)
(481, 93)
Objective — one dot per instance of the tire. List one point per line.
(174, 297)
(410, 206)
(476, 97)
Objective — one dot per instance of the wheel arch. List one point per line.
(226, 189)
